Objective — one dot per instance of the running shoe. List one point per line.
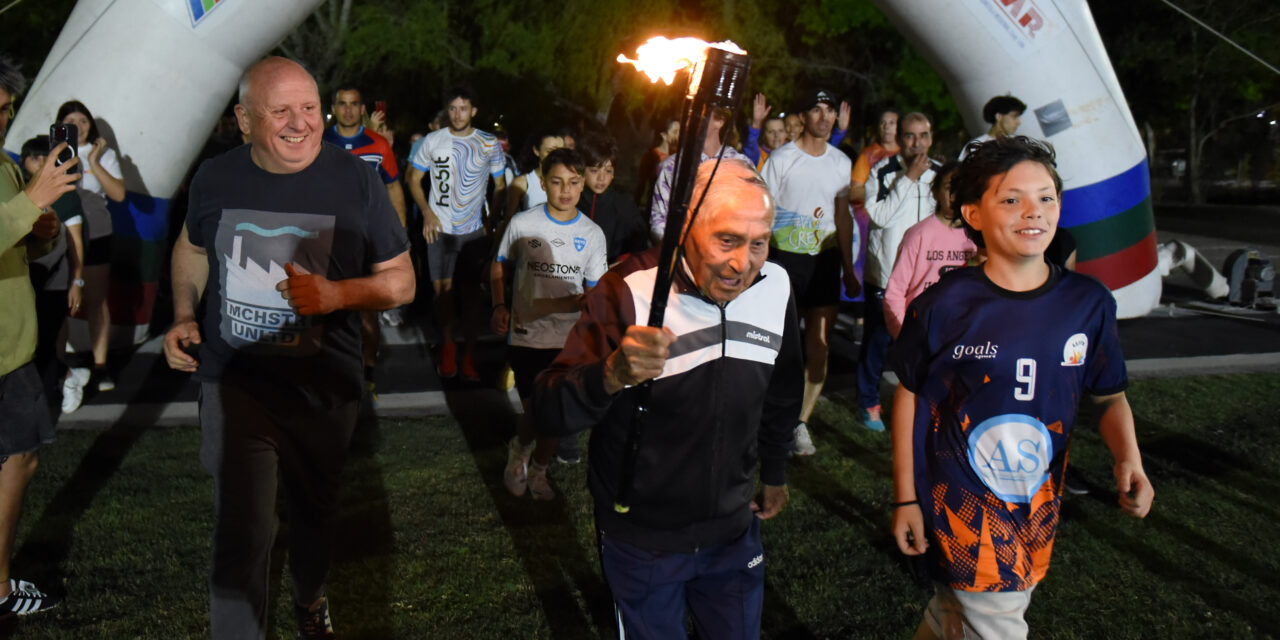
(568, 451)
(73, 389)
(516, 475)
(871, 418)
(469, 372)
(448, 365)
(25, 598)
(539, 486)
(314, 625)
(804, 444)
(105, 381)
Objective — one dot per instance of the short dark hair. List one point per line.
(566, 157)
(940, 178)
(1001, 104)
(460, 91)
(986, 160)
(37, 146)
(597, 149)
(75, 106)
(346, 86)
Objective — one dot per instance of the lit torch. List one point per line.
(717, 76)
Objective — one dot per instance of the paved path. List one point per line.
(1183, 336)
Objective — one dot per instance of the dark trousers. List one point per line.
(875, 346)
(249, 447)
(722, 586)
(51, 313)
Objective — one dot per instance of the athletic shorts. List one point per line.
(25, 424)
(527, 363)
(97, 251)
(815, 280)
(975, 614)
(450, 253)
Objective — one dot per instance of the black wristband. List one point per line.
(905, 504)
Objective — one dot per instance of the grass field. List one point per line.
(431, 545)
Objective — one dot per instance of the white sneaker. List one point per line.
(73, 389)
(516, 475)
(539, 486)
(804, 444)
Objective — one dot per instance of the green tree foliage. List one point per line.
(1197, 92)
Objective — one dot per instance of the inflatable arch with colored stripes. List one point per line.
(1048, 53)
(156, 74)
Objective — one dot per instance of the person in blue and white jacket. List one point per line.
(727, 378)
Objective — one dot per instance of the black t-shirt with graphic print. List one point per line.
(332, 218)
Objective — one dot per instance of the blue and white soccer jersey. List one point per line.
(998, 376)
(552, 261)
(460, 168)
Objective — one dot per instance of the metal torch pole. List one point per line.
(717, 82)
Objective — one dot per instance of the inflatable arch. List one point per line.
(157, 75)
(1048, 53)
(158, 72)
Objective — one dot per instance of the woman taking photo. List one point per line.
(101, 181)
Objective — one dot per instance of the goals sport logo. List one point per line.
(1011, 454)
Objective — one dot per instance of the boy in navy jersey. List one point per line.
(993, 361)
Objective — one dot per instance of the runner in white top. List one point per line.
(460, 159)
(557, 254)
(813, 238)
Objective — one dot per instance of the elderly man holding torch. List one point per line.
(726, 376)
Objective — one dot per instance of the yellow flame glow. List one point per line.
(662, 58)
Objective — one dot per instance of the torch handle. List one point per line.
(716, 82)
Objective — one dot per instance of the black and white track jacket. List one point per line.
(726, 402)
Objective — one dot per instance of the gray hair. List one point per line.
(733, 176)
(11, 79)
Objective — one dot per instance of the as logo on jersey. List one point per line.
(1011, 454)
(557, 243)
(534, 243)
(579, 243)
(1073, 351)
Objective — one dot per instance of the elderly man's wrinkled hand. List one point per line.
(641, 356)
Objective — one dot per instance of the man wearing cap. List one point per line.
(813, 237)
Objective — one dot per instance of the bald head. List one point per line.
(265, 71)
(280, 113)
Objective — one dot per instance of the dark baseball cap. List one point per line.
(814, 97)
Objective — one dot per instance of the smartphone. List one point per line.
(380, 105)
(67, 133)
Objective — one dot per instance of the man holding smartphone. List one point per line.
(26, 230)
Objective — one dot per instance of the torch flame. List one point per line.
(661, 58)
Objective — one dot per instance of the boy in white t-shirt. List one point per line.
(557, 255)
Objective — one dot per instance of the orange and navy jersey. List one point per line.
(998, 376)
(370, 147)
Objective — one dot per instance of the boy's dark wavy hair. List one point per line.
(986, 160)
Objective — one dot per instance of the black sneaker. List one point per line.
(104, 380)
(25, 598)
(1074, 483)
(314, 625)
(568, 452)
